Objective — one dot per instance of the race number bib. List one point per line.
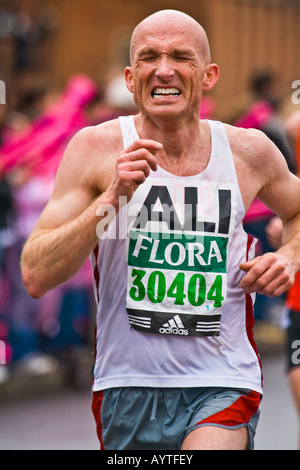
(177, 257)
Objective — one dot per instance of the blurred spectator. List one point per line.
(263, 113)
(7, 216)
(41, 144)
(29, 159)
(118, 97)
(208, 108)
(27, 34)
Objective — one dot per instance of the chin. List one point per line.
(164, 112)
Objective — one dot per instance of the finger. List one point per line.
(152, 145)
(254, 269)
(267, 283)
(138, 166)
(139, 155)
(268, 276)
(274, 288)
(276, 285)
(249, 264)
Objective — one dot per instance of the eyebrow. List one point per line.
(187, 52)
(150, 50)
(145, 51)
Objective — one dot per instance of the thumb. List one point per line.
(249, 264)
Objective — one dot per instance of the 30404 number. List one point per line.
(193, 290)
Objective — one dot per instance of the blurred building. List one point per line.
(52, 39)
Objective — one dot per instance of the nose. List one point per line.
(165, 69)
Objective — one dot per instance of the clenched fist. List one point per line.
(133, 166)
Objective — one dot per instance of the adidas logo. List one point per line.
(174, 327)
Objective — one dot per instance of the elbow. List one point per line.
(31, 283)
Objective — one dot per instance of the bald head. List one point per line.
(166, 20)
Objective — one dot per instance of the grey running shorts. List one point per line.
(138, 418)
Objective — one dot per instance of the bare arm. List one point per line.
(66, 232)
(273, 273)
(55, 249)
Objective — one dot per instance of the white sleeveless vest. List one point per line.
(170, 312)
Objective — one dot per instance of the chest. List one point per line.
(194, 159)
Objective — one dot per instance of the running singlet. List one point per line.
(177, 257)
(170, 312)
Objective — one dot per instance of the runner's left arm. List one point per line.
(273, 273)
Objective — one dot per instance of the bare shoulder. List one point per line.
(247, 143)
(261, 168)
(255, 153)
(91, 155)
(106, 131)
(105, 137)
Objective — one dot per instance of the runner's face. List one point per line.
(168, 72)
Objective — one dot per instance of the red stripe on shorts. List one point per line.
(96, 408)
(238, 413)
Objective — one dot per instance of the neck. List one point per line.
(178, 139)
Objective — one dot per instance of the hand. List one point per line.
(270, 274)
(133, 167)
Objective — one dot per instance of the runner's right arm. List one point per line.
(66, 231)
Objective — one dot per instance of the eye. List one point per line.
(148, 58)
(181, 57)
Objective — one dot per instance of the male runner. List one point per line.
(176, 365)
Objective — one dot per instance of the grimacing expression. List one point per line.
(170, 66)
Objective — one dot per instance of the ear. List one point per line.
(211, 77)
(129, 79)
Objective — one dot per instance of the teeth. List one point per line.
(165, 91)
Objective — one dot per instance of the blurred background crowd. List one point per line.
(62, 63)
